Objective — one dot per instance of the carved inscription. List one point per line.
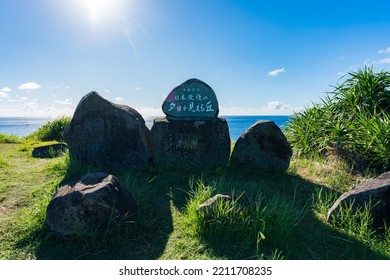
(193, 98)
(187, 141)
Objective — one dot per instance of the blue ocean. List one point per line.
(237, 124)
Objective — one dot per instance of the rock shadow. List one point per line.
(145, 237)
(311, 238)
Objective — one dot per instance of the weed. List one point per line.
(283, 219)
(5, 138)
(51, 131)
(3, 163)
(353, 122)
(356, 222)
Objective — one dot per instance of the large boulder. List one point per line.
(375, 191)
(262, 146)
(191, 145)
(105, 133)
(93, 202)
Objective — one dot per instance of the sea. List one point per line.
(23, 126)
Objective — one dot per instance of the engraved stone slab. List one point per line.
(191, 99)
(191, 145)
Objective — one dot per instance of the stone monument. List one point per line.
(191, 137)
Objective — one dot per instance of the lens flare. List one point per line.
(101, 10)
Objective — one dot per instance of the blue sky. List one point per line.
(260, 57)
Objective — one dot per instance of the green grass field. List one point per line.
(285, 218)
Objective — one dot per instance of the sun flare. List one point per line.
(100, 10)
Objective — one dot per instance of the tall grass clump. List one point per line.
(351, 122)
(261, 228)
(5, 138)
(52, 131)
(356, 222)
(3, 162)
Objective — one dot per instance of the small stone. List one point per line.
(50, 151)
(209, 207)
(92, 203)
(262, 146)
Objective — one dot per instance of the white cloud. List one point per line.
(273, 108)
(32, 103)
(118, 98)
(385, 60)
(29, 86)
(3, 94)
(5, 89)
(384, 51)
(149, 111)
(277, 105)
(276, 72)
(67, 101)
(138, 88)
(368, 62)
(341, 73)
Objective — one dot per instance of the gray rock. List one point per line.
(105, 133)
(376, 191)
(191, 99)
(93, 202)
(191, 145)
(208, 208)
(50, 151)
(262, 146)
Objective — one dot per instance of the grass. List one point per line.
(284, 218)
(352, 122)
(276, 216)
(51, 131)
(5, 138)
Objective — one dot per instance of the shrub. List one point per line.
(5, 138)
(353, 121)
(52, 131)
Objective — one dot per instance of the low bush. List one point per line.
(352, 122)
(52, 131)
(5, 138)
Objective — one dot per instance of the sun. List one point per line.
(100, 10)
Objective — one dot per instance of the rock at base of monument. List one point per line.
(191, 99)
(106, 134)
(263, 146)
(375, 192)
(94, 202)
(50, 151)
(191, 145)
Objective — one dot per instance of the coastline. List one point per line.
(23, 126)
